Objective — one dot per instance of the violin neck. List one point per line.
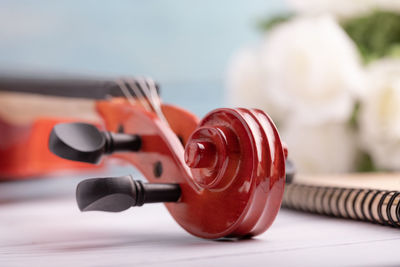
(22, 109)
(67, 87)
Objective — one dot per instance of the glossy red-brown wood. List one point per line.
(24, 151)
(231, 174)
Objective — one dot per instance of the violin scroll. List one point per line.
(237, 163)
(225, 179)
(211, 152)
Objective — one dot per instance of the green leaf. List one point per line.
(365, 163)
(271, 22)
(376, 34)
(354, 115)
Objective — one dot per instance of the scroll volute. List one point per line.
(231, 174)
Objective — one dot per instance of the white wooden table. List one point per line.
(52, 232)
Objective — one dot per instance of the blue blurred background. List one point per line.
(185, 45)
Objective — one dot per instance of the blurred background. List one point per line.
(327, 72)
(184, 45)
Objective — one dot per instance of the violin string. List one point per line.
(125, 90)
(144, 89)
(154, 98)
(138, 92)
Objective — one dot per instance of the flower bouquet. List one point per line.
(329, 76)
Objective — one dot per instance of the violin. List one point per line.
(221, 176)
(30, 107)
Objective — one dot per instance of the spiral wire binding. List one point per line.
(376, 206)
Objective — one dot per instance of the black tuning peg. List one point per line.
(84, 142)
(290, 171)
(116, 194)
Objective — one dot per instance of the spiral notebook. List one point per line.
(367, 197)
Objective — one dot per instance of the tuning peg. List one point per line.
(290, 171)
(84, 142)
(116, 194)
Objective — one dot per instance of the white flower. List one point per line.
(245, 83)
(380, 114)
(323, 148)
(311, 69)
(342, 8)
(306, 74)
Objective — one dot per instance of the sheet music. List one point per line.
(55, 233)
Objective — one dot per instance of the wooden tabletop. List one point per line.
(53, 232)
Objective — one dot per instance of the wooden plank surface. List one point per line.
(52, 232)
